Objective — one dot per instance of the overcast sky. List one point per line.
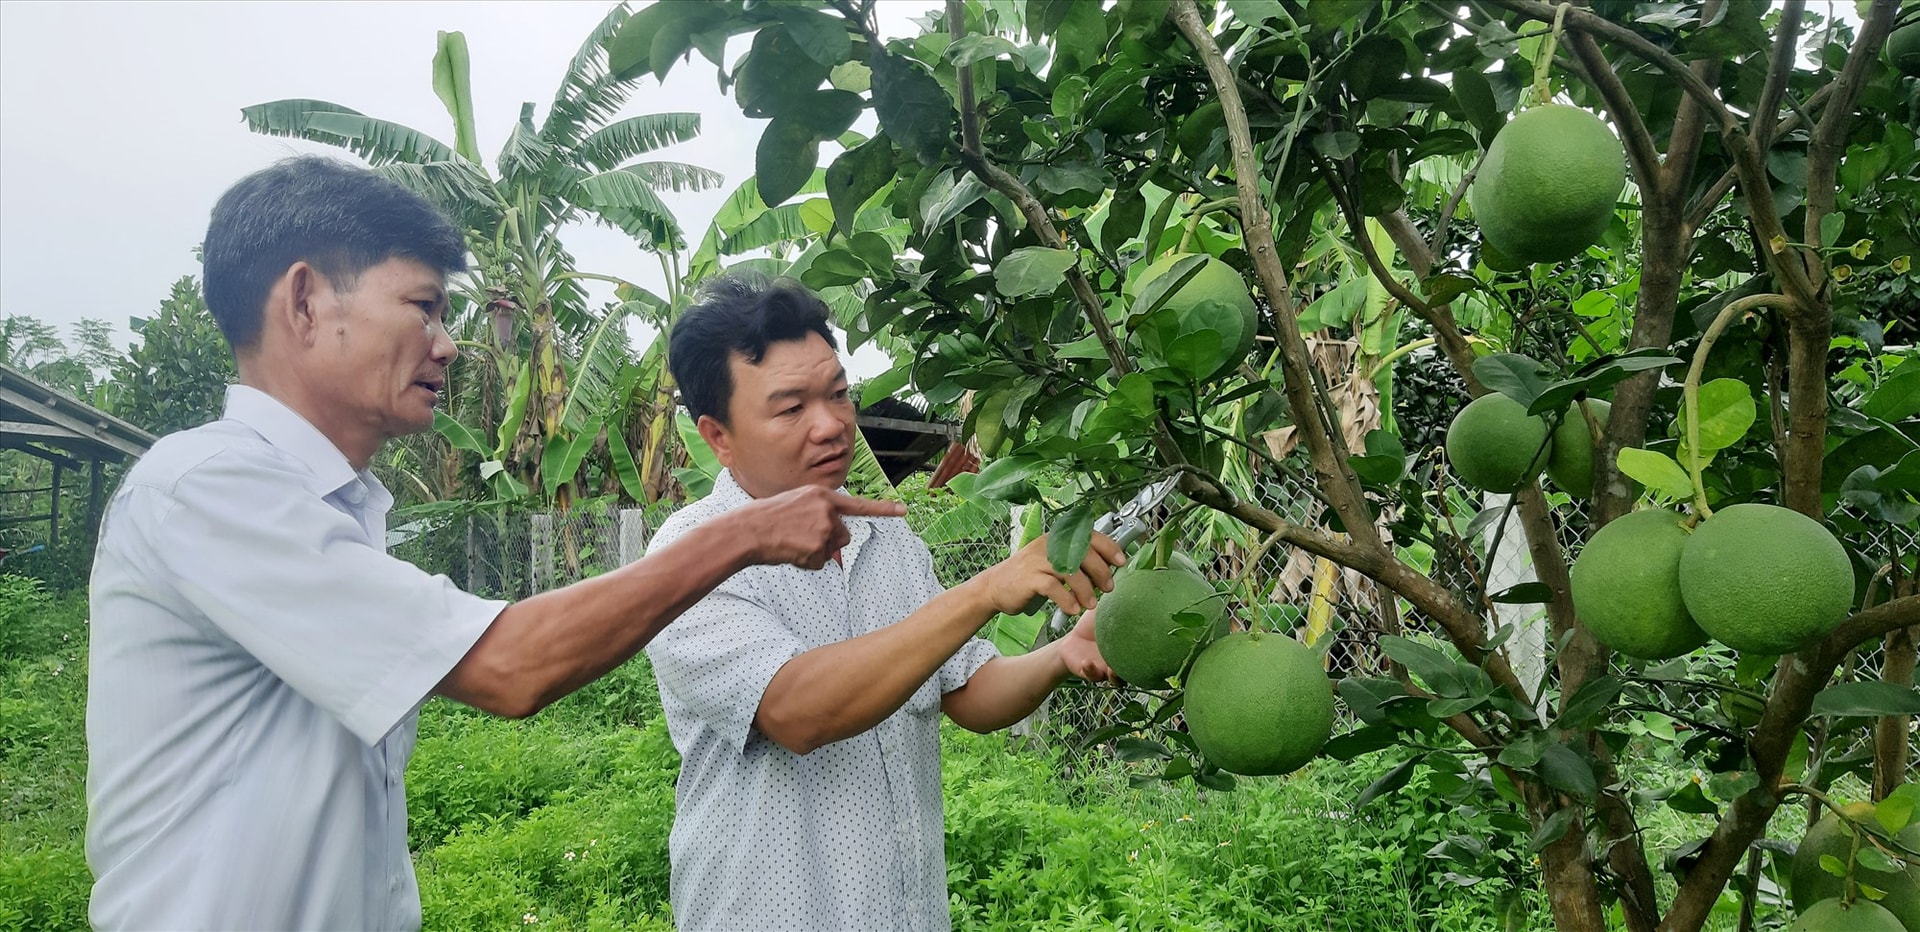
(120, 125)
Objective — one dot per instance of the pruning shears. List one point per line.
(1126, 525)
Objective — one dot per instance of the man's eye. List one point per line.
(790, 411)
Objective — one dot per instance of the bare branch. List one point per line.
(1867, 624)
(1778, 71)
(1642, 154)
(1325, 448)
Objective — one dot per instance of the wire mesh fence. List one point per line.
(513, 555)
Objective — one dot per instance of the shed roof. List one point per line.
(42, 420)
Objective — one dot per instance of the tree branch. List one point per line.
(1446, 332)
(1642, 155)
(1325, 448)
(1867, 624)
(1778, 71)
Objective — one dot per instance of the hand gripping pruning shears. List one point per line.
(1125, 526)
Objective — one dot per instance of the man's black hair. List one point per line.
(737, 313)
(340, 218)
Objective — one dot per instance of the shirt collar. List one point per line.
(292, 434)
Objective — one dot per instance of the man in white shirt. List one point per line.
(806, 703)
(257, 659)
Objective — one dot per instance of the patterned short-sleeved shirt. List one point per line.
(849, 837)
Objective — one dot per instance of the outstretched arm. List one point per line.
(545, 647)
(1008, 689)
(840, 690)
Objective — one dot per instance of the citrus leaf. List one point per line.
(1870, 698)
(1131, 748)
(786, 157)
(1067, 539)
(1512, 375)
(1895, 812)
(1390, 781)
(1657, 471)
(1365, 740)
(1726, 412)
(1532, 593)
(1898, 397)
(1589, 701)
(1564, 769)
(1551, 830)
(856, 175)
(1032, 270)
(912, 107)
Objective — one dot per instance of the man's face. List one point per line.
(384, 349)
(791, 420)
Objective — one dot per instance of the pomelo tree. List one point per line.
(1050, 178)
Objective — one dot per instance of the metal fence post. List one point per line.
(633, 535)
(541, 530)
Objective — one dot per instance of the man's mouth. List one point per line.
(431, 386)
(833, 460)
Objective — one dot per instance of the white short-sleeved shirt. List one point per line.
(257, 664)
(849, 837)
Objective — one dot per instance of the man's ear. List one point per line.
(717, 437)
(296, 301)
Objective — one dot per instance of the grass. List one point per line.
(560, 822)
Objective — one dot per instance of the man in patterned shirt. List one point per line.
(806, 703)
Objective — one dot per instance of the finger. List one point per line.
(1096, 568)
(867, 507)
(1108, 549)
(1082, 589)
(1063, 596)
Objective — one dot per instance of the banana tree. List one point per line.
(553, 363)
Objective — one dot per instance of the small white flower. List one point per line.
(569, 855)
(529, 919)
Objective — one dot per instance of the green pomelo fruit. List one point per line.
(1137, 628)
(1259, 704)
(1196, 129)
(1810, 883)
(1862, 915)
(1549, 183)
(1494, 444)
(1497, 260)
(1626, 586)
(1903, 49)
(1765, 579)
(1215, 300)
(1570, 463)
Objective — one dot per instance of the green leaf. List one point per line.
(1365, 740)
(1532, 593)
(451, 73)
(625, 467)
(834, 268)
(1564, 769)
(1385, 460)
(967, 50)
(1592, 698)
(1125, 213)
(852, 76)
(1390, 781)
(1657, 471)
(1008, 478)
(1690, 799)
(855, 176)
(1068, 537)
(1032, 270)
(912, 107)
(1437, 670)
(1131, 748)
(1511, 374)
(786, 157)
(1898, 397)
(824, 38)
(1874, 859)
(826, 113)
(1726, 412)
(1551, 830)
(1833, 865)
(460, 435)
(1831, 226)
(562, 458)
(1197, 353)
(1895, 812)
(1475, 95)
(1443, 288)
(1731, 785)
(1867, 698)
(1337, 144)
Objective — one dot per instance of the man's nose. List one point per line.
(826, 424)
(444, 349)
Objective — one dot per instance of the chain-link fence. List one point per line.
(513, 555)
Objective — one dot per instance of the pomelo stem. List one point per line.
(1542, 91)
(1733, 311)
